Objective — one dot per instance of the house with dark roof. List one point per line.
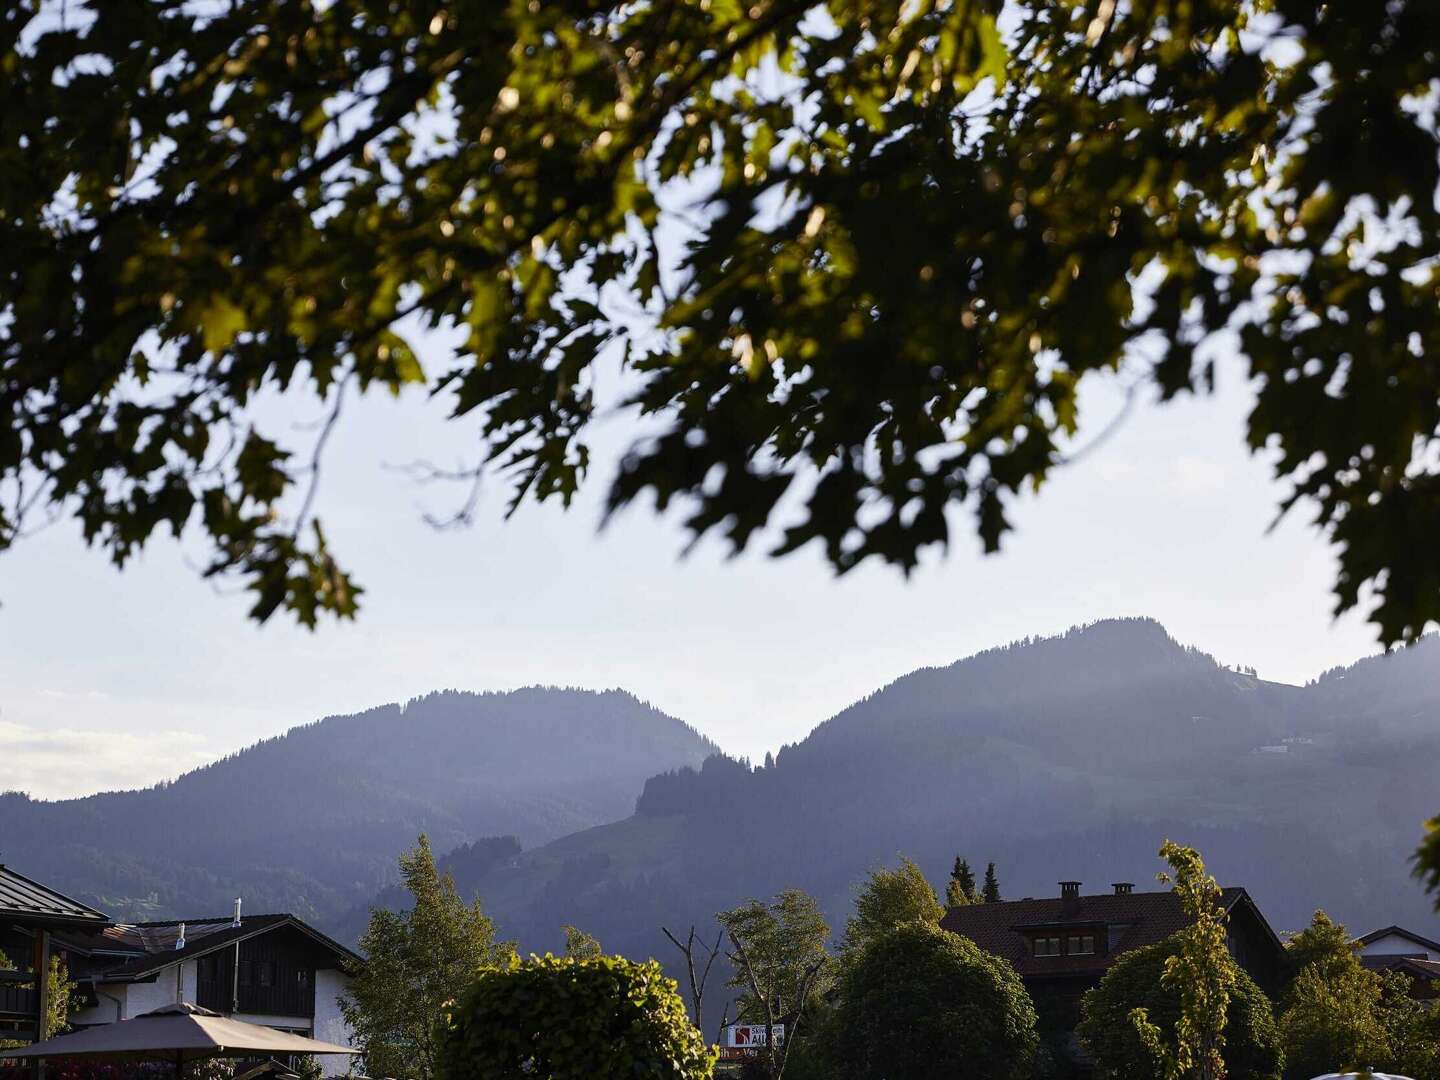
(274, 970)
(1062, 945)
(30, 914)
(1394, 948)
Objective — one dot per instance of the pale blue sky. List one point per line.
(119, 678)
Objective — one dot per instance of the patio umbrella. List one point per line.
(175, 1033)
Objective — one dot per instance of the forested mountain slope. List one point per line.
(312, 821)
(1065, 757)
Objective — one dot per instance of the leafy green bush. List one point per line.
(566, 1018)
(920, 1002)
(1252, 1045)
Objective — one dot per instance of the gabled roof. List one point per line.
(1136, 919)
(1399, 931)
(152, 944)
(25, 901)
(1418, 966)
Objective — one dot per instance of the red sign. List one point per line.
(739, 1053)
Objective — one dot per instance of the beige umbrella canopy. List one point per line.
(175, 1033)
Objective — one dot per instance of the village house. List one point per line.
(1061, 946)
(274, 970)
(1393, 948)
(30, 915)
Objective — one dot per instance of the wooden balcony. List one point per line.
(17, 996)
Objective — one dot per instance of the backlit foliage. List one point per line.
(863, 249)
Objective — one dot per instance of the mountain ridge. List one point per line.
(313, 819)
(1062, 756)
(1070, 756)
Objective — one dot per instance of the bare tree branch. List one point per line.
(776, 1057)
(697, 984)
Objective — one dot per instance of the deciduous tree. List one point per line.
(566, 1018)
(699, 959)
(61, 989)
(890, 898)
(1338, 1015)
(1200, 971)
(920, 234)
(1427, 859)
(1331, 1022)
(1325, 945)
(580, 945)
(416, 961)
(922, 1003)
(1136, 981)
(778, 954)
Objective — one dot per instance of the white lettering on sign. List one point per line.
(750, 1035)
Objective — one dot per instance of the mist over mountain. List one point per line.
(1069, 757)
(312, 821)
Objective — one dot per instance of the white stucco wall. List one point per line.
(107, 1012)
(172, 984)
(1391, 944)
(330, 1026)
(142, 997)
(187, 981)
(178, 983)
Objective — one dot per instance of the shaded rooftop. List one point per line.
(28, 902)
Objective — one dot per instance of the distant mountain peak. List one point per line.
(312, 820)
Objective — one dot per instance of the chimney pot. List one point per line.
(1123, 888)
(180, 941)
(1069, 890)
(236, 921)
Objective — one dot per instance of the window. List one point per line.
(1047, 946)
(302, 978)
(1082, 944)
(267, 972)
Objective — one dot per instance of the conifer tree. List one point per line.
(961, 888)
(991, 892)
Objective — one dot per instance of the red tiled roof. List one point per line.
(1133, 920)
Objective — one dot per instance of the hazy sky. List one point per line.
(111, 678)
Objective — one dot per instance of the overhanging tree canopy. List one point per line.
(926, 225)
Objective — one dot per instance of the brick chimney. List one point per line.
(1069, 890)
(1123, 888)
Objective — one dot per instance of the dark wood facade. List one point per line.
(275, 977)
(18, 1006)
(29, 912)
